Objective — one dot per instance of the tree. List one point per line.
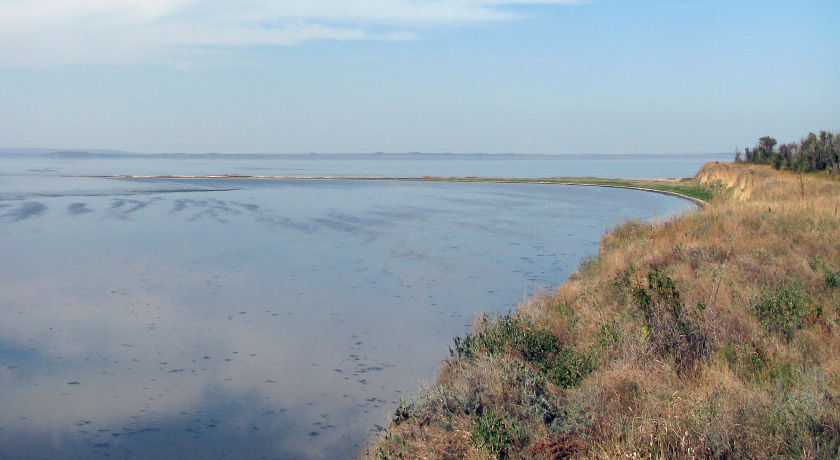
(812, 153)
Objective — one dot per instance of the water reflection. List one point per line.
(276, 319)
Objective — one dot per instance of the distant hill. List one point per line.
(85, 154)
(102, 153)
(65, 153)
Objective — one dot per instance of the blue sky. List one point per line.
(495, 76)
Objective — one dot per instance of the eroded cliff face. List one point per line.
(733, 180)
(762, 185)
(743, 182)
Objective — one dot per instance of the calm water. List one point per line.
(263, 319)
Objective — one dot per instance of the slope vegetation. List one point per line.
(712, 335)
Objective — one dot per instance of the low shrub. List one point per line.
(559, 363)
(492, 433)
(669, 330)
(832, 279)
(624, 233)
(781, 309)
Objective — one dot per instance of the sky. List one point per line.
(461, 76)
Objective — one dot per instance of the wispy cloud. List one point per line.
(683, 7)
(49, 32)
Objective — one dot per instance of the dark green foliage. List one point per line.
(492, 433)
(782, 309)
(813, 153)
(832, 279)
(557, 362)
(763, 152)
(520, 408)
(392, 452)
(670, 329)
(493, 337)
(402, 413)
(588, 263)
(700, 193)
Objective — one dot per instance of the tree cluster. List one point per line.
(812, 153)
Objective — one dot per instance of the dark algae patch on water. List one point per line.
(710, 335)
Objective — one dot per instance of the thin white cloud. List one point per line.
(49, 32)
(684, 7)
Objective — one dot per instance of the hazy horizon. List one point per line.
(106, 152)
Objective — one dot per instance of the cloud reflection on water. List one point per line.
(290, 318)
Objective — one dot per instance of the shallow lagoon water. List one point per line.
(258, 319)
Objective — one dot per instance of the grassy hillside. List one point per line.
(711, 335)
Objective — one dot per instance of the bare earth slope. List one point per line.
(712, 335)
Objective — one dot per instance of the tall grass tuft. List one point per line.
(669, 328)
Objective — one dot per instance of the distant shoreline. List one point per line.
(117, 154)
(682, 188)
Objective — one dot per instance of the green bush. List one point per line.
(832, 279)
(669, 328)
(588, 263)
(492, 433)
(557, 362)
(782, 310)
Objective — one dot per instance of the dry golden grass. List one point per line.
(714, 335)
